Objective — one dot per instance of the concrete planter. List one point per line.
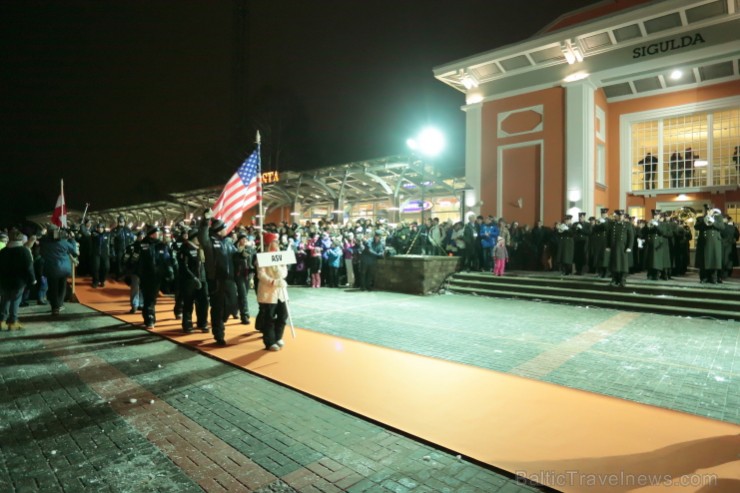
(414, 274)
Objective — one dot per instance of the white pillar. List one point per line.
(580, 151)
(473, 155)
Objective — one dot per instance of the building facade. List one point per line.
(628, 104)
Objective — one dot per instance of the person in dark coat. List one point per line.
(219, 253)
(657, 257)
(131, 275)
(581, 234)
(711, 231)
(193, 283)
(682, 242)
(99, 255)
(59, 251)
(619, 241)
(730, 235)
(372, 251)
(242, 271)
(155, 267)
(16, 272)
(565, 232)
(122, 237)
(598, 260)
(649, 170)
(84, 240)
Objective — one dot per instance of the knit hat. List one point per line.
(270, 237)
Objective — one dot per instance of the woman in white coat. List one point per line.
(272, 296)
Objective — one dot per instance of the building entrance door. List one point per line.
(521, 184)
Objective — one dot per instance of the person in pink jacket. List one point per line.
(500, 256)
(272, 296)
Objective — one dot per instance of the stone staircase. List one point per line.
(674, 297)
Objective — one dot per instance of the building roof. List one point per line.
(629, 52)
(369, 180)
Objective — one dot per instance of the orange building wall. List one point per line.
(616, 110)
(552, 135)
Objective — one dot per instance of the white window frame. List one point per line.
(625, 136)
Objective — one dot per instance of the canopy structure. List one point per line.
(394, 177)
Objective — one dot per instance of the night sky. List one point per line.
(130, 100)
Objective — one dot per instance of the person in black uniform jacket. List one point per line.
(122, 238)
(84, 240)
(99, 255)
(155, 266)
(193, 284)
(242, 269)
(219, 260)
(175, 244)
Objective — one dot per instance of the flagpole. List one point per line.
(261, 211)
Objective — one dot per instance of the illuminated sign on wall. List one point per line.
(415, 206)
(270, 177)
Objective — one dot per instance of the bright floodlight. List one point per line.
(676, 74)
(430, 142)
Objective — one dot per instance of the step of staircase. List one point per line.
(670, 298)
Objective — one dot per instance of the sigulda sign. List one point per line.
(669, 45)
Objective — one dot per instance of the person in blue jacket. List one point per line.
(59, 250)
(489, 233)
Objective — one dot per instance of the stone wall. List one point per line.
(414, 274)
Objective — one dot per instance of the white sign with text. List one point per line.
(268, 259)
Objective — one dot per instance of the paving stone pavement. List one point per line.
(67, 422)
(92, 404)
(681, 363)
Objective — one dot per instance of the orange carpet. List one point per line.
(568, 439)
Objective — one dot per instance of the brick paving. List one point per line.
(68, 423)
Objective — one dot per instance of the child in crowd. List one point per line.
(500, 257)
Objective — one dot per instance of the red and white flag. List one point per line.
(59, 217)
(242, 192)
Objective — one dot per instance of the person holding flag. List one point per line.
(241, 192)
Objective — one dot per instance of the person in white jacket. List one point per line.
(272, 296)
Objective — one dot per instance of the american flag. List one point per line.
(242, 192)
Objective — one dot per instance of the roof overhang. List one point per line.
(629, 54)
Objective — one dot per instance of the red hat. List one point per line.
(269, 238)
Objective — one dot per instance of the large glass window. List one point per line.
(645, 155)
(725, 132)
(686, 151)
